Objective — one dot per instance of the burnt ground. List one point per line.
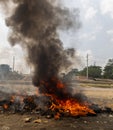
(102, 121)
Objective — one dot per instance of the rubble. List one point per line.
(28, 119)
(111, 116)
(37, 121)
(49, 116)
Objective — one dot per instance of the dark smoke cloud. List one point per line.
(35, 25)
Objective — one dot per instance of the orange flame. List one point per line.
(5, 106)
(60, 85)
(70, 107)
(36, 92)
(57, 116)
(12, 99)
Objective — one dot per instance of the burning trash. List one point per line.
(56, 108)
(53, 106)
(35, 25)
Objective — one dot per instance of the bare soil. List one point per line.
(103, 121)
(17, 122)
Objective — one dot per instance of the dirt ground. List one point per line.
(17, 122)
(103, 121)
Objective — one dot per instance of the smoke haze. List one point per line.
(34, 25)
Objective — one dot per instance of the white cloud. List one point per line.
(109, 32)
(87, 36)
(3, 34)
(111, 40)
(107, 7)
(90, 13)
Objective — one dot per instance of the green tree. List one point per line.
(108, 70)
(94, 71)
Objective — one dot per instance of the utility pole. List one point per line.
(13, 63)
(87, 73)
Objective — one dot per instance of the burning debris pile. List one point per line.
(45, 106)
(35, 25)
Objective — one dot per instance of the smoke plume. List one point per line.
(35, 25)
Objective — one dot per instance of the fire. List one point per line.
(36, 92)
(62, 101)
(70, 107)
(60, 85)
(5, 106)
(12, 98)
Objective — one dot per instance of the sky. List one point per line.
(95, 37)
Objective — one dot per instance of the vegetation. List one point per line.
(94, 72)
(97, 72)
(108, 70)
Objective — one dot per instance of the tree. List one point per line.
(94, 71)
(108, 70)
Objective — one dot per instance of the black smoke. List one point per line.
(35, 25)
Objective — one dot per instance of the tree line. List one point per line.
(97, 71)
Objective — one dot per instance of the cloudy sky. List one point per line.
(95, 37)
(96, 34)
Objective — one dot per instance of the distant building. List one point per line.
(6, 73)
(4, 70)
